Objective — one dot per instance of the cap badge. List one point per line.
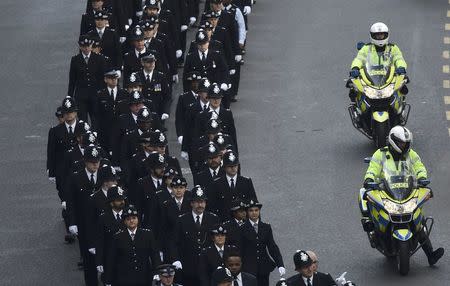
(136, 95)
(212, 149)
(178, 181)
(91, 138)
(145, 112)
(113, 171)
(138, 32)
(214, 124)
(94, 152)
(132, 78)
(220, 140)
(199, 192)
(201, 36)
(162, 138)
(216, 90)
(303, 257)
(68, 104)
(232, 157)
(206, 83)
(120, 191)
(161, 158)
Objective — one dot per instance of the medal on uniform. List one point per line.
(157, 87)
(214, 64)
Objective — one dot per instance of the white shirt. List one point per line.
(194, 94)
(138, 53)
(134, 117)
(120, 214)
(217, 110)
(115, 92)
(204, 104)
(219, 248)
(149, 74)
(195, 217)
(155, 182)
(180, 202)
(105, 192)
(306, 279)
(81, 150)
(239, 279)
(254, 222)
(212, 171)
(241, 24)
(239, 222)
(72, 125)
(132, 232)
(84, 56)
(101, 31)
(89, 175)
(200, 55)
(234, 180)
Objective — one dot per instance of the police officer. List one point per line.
(107, 177)
(166, 274)
(221, 277)
(133, 255)
(131, 60)
(73, 157)
(233, 226)
(216, 111)
(184, 101)
(191, 236)
(257, 244)
(307, 276)
(214, 255)
(109, 39)
(213, 170)
(230, 187)
(87, 19)
(156, 87)
(86, 77)
(233, 261)
(201, 144)
(212, 63)
(109, 223)
(81, 184)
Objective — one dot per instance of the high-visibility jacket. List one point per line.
(391, 53)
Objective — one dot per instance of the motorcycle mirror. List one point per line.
(424, 182)
(360, 45)
(367, 160)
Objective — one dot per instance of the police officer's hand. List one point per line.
(247, 10)
(184, 155)
(178, 53)
(100, 269)
(156, 277)
(183, 28)
(224, 87)
(73, 229)
(340, 281)
(238, 58)
(52, 179)
(282, 271)
(232, 71)
(91, 250)
(354, 73)
(192, 20)
(177, 265)
(63, 205)
(180, 140)
(366, 182)
(122, 39)
(164, 116)
(400, 71)
(175, 78)
(139, 14)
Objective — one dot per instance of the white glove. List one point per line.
(238, 58)
(282, 271)
(164, 116)
(192, 21)
(119, 73)
(52, 179)
(63, 205)
(139, 13)
(117, 168)
(177, 265)
(340, 281)
(161, 254)
(224, 87)
(107, 284)
(122, 39)
(178, 53)
(232, 71)
(130, 21)
(73, 229)
(183, 28)
(91, 250)
(155, 277)
(175, 78)
(185, 155)
(127, 27)
(100, 269)
(180, 139)
(247, 10)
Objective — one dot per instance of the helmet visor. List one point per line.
(379, 36)
(404, 146)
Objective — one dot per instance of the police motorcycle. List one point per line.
(394, 206)
(380, 103)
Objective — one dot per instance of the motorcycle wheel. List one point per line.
(403, 257)
(380, 134)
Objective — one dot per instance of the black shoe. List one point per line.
(435, 256)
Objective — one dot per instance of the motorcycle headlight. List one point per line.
(370, 92)
(387, 91)
(373, 93)
(395, 208)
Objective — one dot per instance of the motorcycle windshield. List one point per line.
(399, 179)
(378, 68)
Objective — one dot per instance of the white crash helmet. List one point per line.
(400, 139)
(379, 34)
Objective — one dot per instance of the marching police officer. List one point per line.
(86, 77)
(307, 276)
(214, 169)
(133, 255)
(131, 60)
(191, 236)
(107, 177)
(233, 226)
(166, 274)
(257, 244)
(221, 277)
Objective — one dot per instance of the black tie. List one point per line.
(204, 107)
(214, 174)
(235, 282)
(118, 217)
(86, 59)
(232, 184)
(112, 93)
(309, 282)
(70, 130)
(197, 221)
(92, 179)
(203, 57)
(148, 78)
(158, 184)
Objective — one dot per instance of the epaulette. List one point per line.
(160, 73)
(216, 179)
(158, 192)
(134, 155)
(128, 132)
(127, 53)
(182, 215)
(111, 29)
(245, 177)
(119, 231)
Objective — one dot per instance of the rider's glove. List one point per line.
(400, 70)
(354, 73)
(367, 181)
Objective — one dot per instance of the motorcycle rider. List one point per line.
(399, 148)
(381, 51)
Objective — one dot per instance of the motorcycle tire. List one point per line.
(380, 134)
(403, 257)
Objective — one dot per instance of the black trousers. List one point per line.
(263, 279)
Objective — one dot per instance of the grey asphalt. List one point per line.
(294, 134)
